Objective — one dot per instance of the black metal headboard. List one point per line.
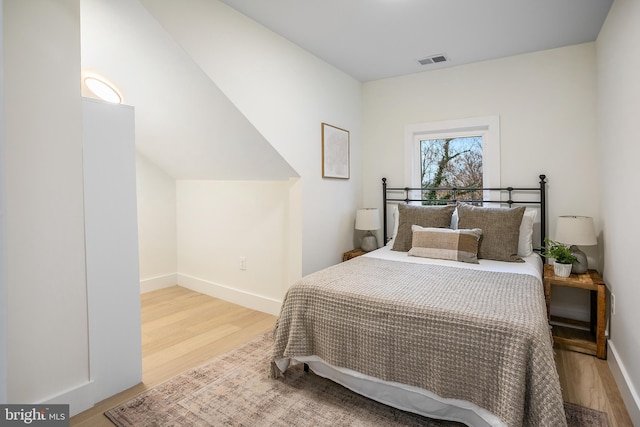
(390, 194)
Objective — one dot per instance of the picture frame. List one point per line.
(335, 152)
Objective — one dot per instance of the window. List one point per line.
(449, 154)
(451, 162)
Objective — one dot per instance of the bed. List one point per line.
(427, 325)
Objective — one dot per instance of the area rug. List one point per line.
(234, 390)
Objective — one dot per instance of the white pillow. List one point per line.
(454, 219)
(394, 218)
(525, 241)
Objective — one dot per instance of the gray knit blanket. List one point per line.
(466, 334)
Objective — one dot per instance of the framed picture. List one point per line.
(335, 152)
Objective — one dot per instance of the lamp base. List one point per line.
(580, 265)
(369, 242)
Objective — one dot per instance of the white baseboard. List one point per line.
(160, 282)
(627, 390)
(236, 296)
(79, 398)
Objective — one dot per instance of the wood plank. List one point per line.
(585, 380)
(618, 415)
(601, 320)
(573, 322)
(181, 330)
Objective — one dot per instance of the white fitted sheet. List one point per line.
(532, 264)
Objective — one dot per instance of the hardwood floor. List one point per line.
(182, 329)
(587, 381)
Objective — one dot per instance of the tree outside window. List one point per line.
(451, 162)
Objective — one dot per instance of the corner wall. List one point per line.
(234, 240)
(45, 260)
(193, 233)
(111, 247)
(286, 93)
(546, 103)
(3, 254)
(157, 238)
(619, 151)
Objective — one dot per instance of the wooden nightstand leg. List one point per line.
(594, 312)
(601, 341)
(547, 297)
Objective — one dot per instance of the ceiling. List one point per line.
(376, 39)
(190, 129)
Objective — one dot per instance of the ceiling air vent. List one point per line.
(432, 59)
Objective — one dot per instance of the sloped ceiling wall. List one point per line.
(286, 93)
(180, 62)
(184, 123)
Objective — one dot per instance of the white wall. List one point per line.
(193, 233)
(45, 262)
(286, 93)
(156, 226)
(619, 151)
(221, 221)
(111, 248)
(547, 107)
(184, 123)
(3, 281)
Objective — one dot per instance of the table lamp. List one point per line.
(368, 219)
(576, 230)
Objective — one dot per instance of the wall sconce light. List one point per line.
(103, 90)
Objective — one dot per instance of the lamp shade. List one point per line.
(576, 230)
(367, 219)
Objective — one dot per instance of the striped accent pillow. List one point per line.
(443, 243)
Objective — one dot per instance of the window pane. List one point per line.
(451, 162)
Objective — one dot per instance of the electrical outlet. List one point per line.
(243, 263)
(613, 303)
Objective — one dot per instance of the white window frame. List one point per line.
(487, 127)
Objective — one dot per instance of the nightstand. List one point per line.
(352, 254)
(591, 341)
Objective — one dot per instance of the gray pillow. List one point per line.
(500, 230)
(424, 216)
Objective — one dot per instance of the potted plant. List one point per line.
(562, 257)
